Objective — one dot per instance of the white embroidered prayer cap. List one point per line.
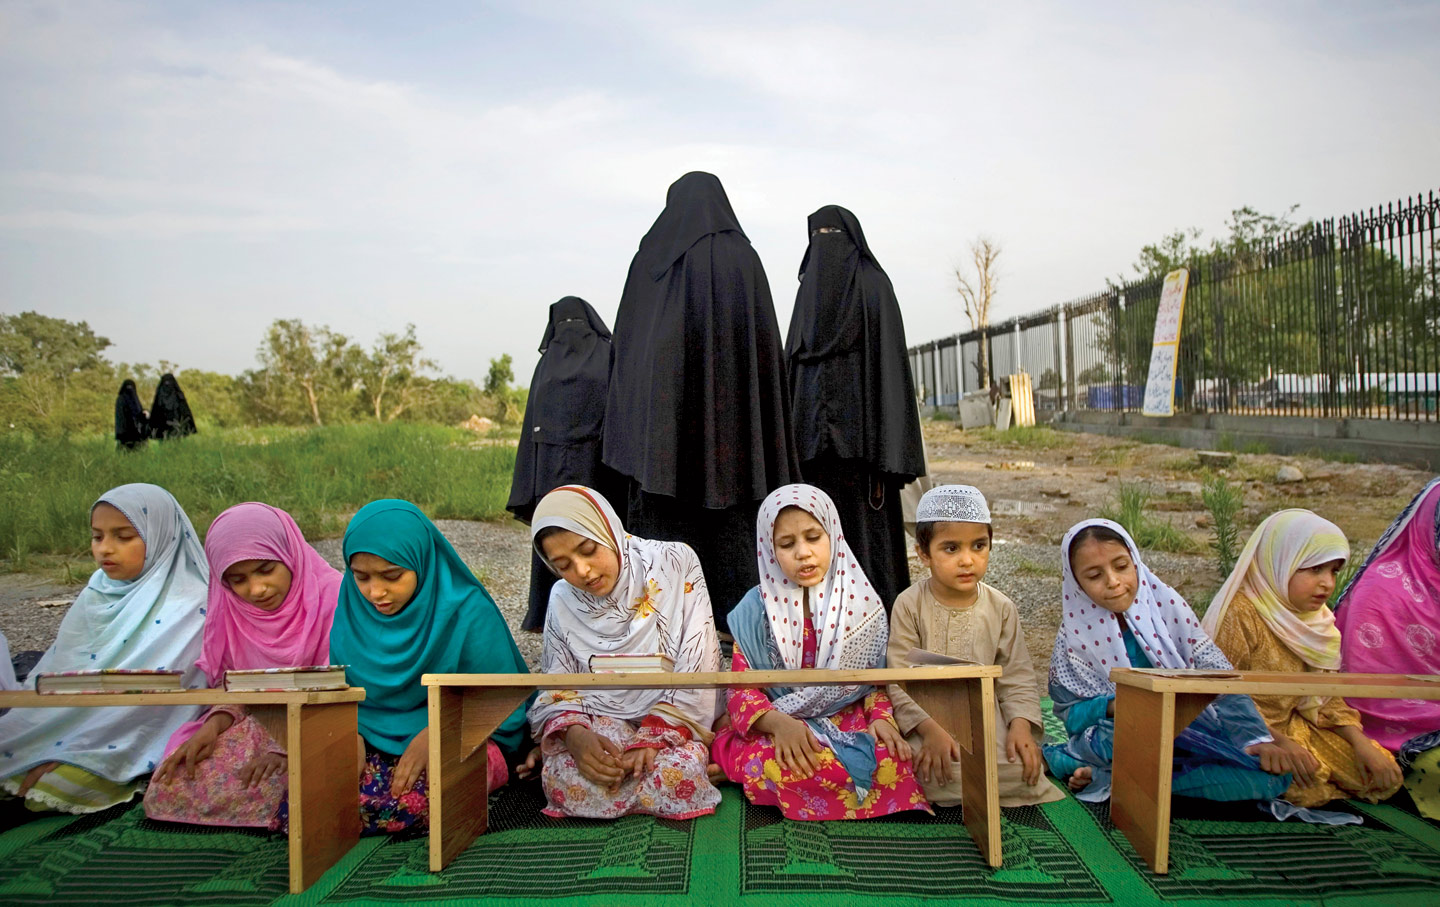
(953, 504)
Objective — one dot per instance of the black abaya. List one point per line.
(170, 415)
(857, 426)
(698, 415)
(131, 427)
(561, 435)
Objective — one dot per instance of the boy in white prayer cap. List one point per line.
(951, 612)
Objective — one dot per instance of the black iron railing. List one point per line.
(1335, 320)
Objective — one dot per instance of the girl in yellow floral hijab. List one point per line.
(609, 753)
(1271, 615)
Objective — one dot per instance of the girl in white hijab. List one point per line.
(144, 608)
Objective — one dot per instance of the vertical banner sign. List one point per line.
(1165, 348)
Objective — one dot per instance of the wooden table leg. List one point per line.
(461, 720)
(324, 788)
(966, 708)
(1146, 725)
(979, 780)
(1141, 772)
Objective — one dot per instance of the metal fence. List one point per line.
(1340, 319)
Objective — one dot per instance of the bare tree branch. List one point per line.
(977, 293)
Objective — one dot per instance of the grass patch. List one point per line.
(319, 475)
(942, 415)
(1227, 443)
(1336, 456)
(1029, 437)
(1119, 455)
(1131, 509)
(1027, 567)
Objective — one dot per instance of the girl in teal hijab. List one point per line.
(410, 606)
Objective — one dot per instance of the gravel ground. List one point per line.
(499, 552)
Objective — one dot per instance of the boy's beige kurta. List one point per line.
(988, 632)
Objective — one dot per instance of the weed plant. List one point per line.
(320, 475)
(1224, 501)
(1030, 437)
(1347, 573)
(1131, 510)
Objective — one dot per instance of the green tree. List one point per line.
(501, 376)
(43, 357)
(393, 372)
(315, 365)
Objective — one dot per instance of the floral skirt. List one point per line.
(827, 794)
(216, 795)
(382, 812)
(677, 788)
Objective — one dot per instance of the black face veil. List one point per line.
(131, 428)
(857, 426)
(170, 415)
(566, 407)
(561, 435)
(851, 389)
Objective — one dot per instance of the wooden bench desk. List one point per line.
(1151, 709)
(466, 708)
(318, 728)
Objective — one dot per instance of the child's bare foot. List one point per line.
(1081, 778)
(715, 773)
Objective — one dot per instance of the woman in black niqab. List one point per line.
(857, 426)
(170, 415)
(561, 435)
(698, 414)
(131, 427)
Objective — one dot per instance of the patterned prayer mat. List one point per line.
(1064, 852)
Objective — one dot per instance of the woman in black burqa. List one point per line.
(170, 415)
(132, 428)
(560, 438)
(857, 427)
(698, 415)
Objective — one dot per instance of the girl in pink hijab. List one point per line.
(1389, 620)
(272, 600)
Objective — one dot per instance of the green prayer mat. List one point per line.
(1059, 853)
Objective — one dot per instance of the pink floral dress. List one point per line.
(677, 788)
(749, 759)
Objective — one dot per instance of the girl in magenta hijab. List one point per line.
(1389, 620)
(272, 600)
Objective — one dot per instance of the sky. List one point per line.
(180, 174)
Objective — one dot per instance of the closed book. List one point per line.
(643, 663)
(297, 677)
(108, 680)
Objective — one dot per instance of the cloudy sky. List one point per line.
(180, 174)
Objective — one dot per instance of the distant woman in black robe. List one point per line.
(132, 428)
(857, 427)
(698, 417)
(560, 438)
(170, 415)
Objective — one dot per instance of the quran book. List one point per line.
(924, 658)
(107, 680)
(299, 677)
(652, 663)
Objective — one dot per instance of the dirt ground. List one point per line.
(1039, 482)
